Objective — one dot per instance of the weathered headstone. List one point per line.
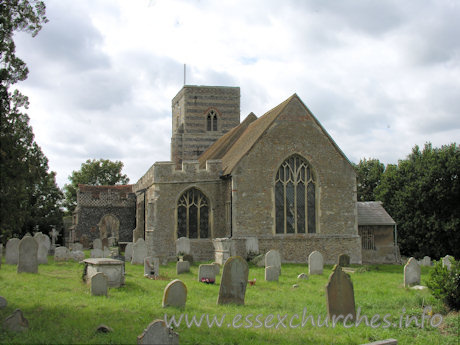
(139, 252)
(77, 247)
(343, 260)
(97, 253)
(234, 280)
(106, 253)
(27, 260)
(157, 333)
(411, 273)
(207, 271)
(182, 267)
(3, 302)
(315, 263)
(12, 251)
(43, 248)
(112, 241)
(129, 252)
(99, 284)
(77, 255)
(340, 297)
(426, 261)
(272, 273)
(183, 246)
(38, 233)
(273, 258)
(61, 254)
(252, 245)
(97, 243)
(16, 322)
(259, 260)
(445, 261)
(105, 243)
(175, 294)
(151, 266)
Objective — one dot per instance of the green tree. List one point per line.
(25, 183)
(368, 174)
(94, 172)
(422, 194)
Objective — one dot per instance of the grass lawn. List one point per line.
(61, 310)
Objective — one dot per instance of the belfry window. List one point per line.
(211, 121)
(193, 215)
(295, 197)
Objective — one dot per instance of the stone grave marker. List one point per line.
(340, 297)
(445, 261)
(183, 245)
(129, 252)
(77, 247)
(105, 243)
(157, 333)
(426, 261)
(99, 284)
(302, 276)
(234, 280)
(106, 253)
(207, 271)
(77, 255)
(271, 273)
(61, 254)
(27, 260)
(411, 273)
(273, 258)
(343, 260)
(97, 243)
(217, 267)
(182, 267)
(139, 252)
(315, 263)
(12, 251)
(151, 267)
(252, 245)
(97, 253)
(43, 248)
(175, 294)
(16, 322)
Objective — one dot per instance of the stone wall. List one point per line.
(385, 250)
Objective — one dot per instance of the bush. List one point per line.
(444, 283)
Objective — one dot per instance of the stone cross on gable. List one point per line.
(54, 235)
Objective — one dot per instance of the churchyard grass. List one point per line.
(60, 308)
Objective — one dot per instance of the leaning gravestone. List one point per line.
(158, 333)
(129, 252)
(340, 297)
(445, 261)
(61, 254)
(151, 267)
(12, 251)
(182, 267)
(234, 280)
(27, 260)
(315, 263)
(273, 258)
(271, 273)
(139, 252)
(206, 271)
(43, 248)
(411, 273)
(175, 294)
(183, 246)
(97, 244)
(99, 284)
(16, 322)
(343, 260)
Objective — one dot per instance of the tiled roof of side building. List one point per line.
(373, 213)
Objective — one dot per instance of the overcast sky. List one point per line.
(381, 76)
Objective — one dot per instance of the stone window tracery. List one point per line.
(193, 215)
(211, 121)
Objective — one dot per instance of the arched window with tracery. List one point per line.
(211, 120)
(295, 197)
(193, 215)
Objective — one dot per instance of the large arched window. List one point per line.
(211, 121)
(193, 215)
(295, 199)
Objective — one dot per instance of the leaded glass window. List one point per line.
(193, 215)
(295, 199)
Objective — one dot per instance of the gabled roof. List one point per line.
(126, 188)
(373, 213)
(234, 145)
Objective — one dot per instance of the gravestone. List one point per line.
(139, 252)
(77, 255)
(43, 248)
(207, 271)
(38, 233)
(129, 252)
(54, 235)
(175, 294)
(106, 253)
(105, 243)
(445, 261)
(61, 254)
(97, 253)
(315, 263)
(343, 260)
(182, 267)
(16, 322)
(27, 260)
(273, 258)
(302, 276)
(411, 273)
(99, 284)
(252, 245)
(426, 261)
(77, 247)
(151, 267)
(3, 302)
(112, 241)
(12, 251)
(340, 297)
(157, 333)
(217, 267)
(272, 273)
(97, 243)
(182, 246)
(234, 280)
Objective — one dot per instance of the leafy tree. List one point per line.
(25, 183)
(422, 194)
(369, 174)
(93, 172)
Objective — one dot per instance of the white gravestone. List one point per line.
(271, 273)
(273, 258)
(315, 263)
(411, 273)
(183, 246)
(446, 262)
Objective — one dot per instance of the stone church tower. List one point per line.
(200, 116)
